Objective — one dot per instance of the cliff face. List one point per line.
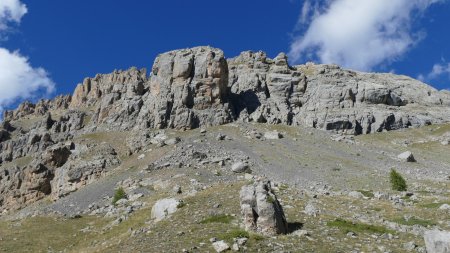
(192, 88)
(197, 87)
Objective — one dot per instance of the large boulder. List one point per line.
(437, 241)
(261, 210)
(406, 157)
(164, 207)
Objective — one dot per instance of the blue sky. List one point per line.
(61, 42)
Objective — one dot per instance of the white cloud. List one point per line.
(18, 80)
(438, 70)
(357, 34)
(11, 11)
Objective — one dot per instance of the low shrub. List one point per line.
(398, 183)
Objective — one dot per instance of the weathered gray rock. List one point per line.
(172, 141)
(240, 167)
(197, 88)
(92, 162)
(311, 210)
(444, 207)
(437, 241)
(330, 98)
(41, 108)
(187, 89)
(163, 208)
(261, 210)
(273, 135)
(356, 195)
(406, 157)
(220, 246)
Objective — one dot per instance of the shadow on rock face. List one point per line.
(247, 100)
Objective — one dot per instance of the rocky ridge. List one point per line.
(194, 88)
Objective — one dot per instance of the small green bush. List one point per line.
(398, 183)
(118, 195)
(270, 199)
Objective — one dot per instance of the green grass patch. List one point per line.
(348, 226)
(433, 205)
(235, 233)
(414, 221)
(221, 218)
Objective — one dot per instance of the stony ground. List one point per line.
(334, 189)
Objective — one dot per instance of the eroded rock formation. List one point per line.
(193, 88)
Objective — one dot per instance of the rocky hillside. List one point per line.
(127, 128)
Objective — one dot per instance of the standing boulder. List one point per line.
(437, 241)
(261, 210)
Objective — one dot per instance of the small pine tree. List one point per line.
(398, 183)
(118, 195)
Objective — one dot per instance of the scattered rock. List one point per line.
(177, 189)
(164, 207)
(172, 141)
(444, 207)
(273, 135)
(406, 157)
(356, 195)
(220, 137)
(220, 246)
(410, 246)
(241, 241)
(311, 210)
(240, 167)
(301, 233)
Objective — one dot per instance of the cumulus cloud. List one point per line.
(18, 79)
(438, 70)
(357, 34)
(11, 11)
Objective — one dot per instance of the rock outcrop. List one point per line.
(87, 164)
(261, 210)
(187, 89)
(331, 98)
(196, 87)
(193, 88)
